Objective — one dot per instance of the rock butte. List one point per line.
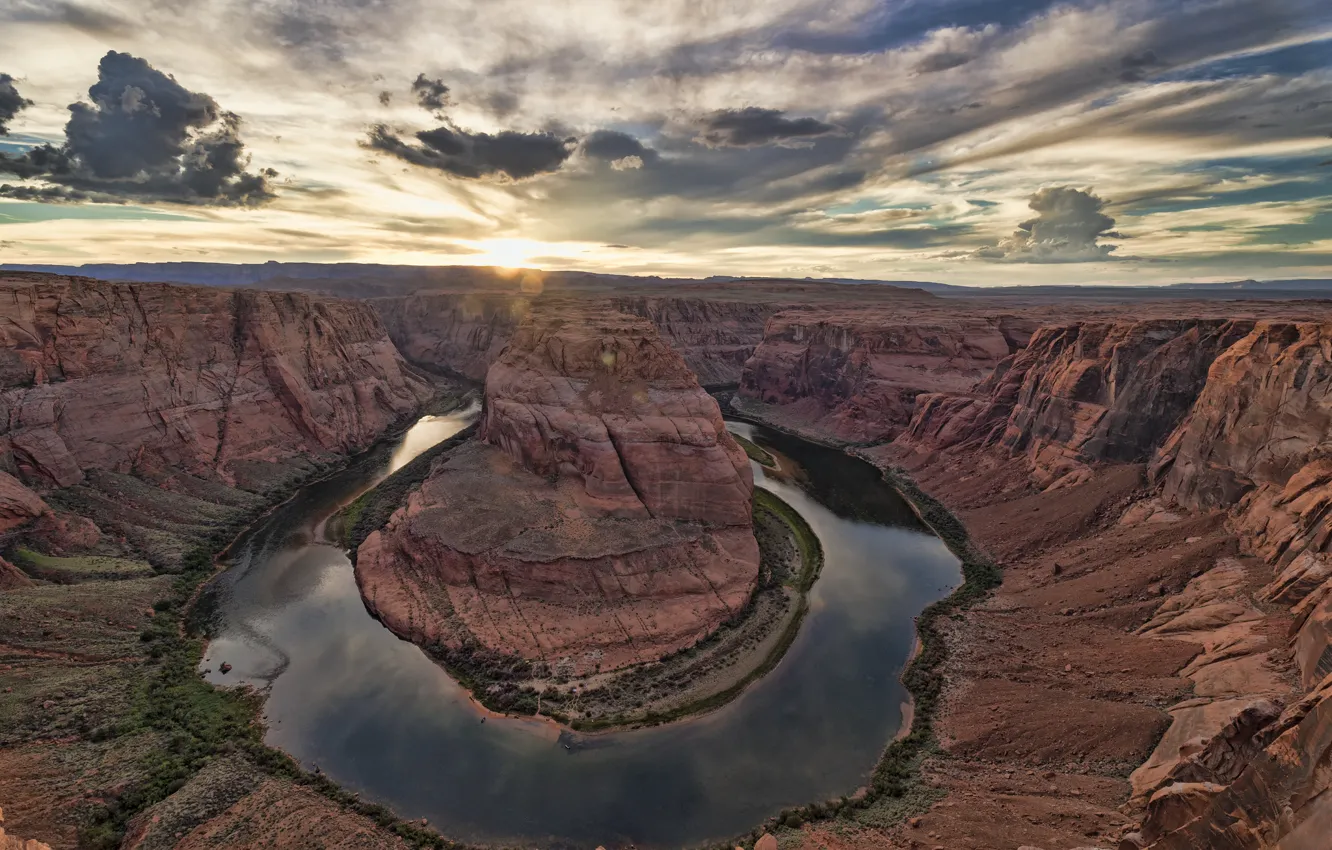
(604, 519)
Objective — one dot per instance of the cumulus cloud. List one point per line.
(431, 94)
(621, 150)
(146, 137)
(754, 126)
(476, 155)
(462, 153)
(11, 102)
(1068, 227)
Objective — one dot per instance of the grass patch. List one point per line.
(372, 510)
(84, 568)
(201, 723)
(811, 550)
(756, 453)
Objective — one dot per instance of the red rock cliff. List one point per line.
(1257, 444)
(453, 332)
(855, 374)
(716, 337)
(601, 396)
(98, 375)
(604, 521)
(1081, 393)
(464, 333)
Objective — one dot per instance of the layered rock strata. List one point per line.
(463, 333)
(1230, 532)
(103, 376)
(855, 375)
(1081, 394)
(604, 519)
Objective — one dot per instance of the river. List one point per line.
(377, 716)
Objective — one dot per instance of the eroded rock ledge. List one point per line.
(1158, 495)
(602, 520)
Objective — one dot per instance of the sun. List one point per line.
(507, 253)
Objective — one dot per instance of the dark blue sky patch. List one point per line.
(1291, 61)
(895, 23)
(1286, 191)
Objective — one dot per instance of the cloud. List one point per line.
(1067, 229)
(431, 94)
(145, 136)
(11, 102)
(615, 147)
(518, 156)
(754, 126)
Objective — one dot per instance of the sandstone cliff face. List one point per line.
(1081, 393)
(1256, 443)
(452, 332)
(855, 375)
(104, 376)
(463, 333)
(604, 521)
(716, 337)
(601, 396)
(13, 842)
(18, 504)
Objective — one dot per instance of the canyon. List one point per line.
(1154, 671)
(601, 520)
(140, 427)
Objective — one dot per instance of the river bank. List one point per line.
(111, 737)
(1051, 692)
(383, 724)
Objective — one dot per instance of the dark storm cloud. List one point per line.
(612, 146)
(43, 194)
(1068, 227)
(475, 155)
(754, 126)
(145, 136)
(431, 94)
(11, 102)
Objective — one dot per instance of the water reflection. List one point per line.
(376, 715)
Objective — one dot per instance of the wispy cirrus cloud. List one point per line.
(703, 137)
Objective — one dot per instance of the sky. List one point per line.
(965, 141)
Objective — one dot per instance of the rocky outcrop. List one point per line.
(715, 337)
(18, 504)
(103, 376)
(599, 395)
(464, 332)
(604, 521)
(1080, 394)
(1255, 443)
(855, 375)
(1281, 799)
(458, 333)
(12, 842)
